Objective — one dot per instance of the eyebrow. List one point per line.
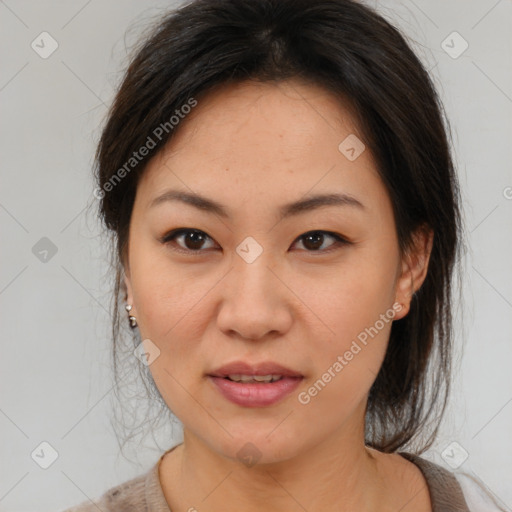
(306, 204)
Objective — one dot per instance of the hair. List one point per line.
(362, 60)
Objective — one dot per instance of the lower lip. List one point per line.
(258, 394)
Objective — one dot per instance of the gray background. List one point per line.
(54, 370)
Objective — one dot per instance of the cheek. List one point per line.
(355, 308)
(167, 295)
(349, 297)
(345, 368)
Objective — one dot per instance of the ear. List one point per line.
(128, 288)
(413, 268)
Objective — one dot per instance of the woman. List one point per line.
(278, 180)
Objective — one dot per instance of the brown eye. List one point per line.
(314, 240)
(191, 240)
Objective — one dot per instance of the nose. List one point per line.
(255, 304)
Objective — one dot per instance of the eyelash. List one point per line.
(172, 235)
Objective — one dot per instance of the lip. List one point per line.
(258, 394)
(264, 368)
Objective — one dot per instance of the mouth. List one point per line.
(255, 385)
(260, 372)
(253, 379)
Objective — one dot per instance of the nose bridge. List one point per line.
(253, 302)
(251, 275)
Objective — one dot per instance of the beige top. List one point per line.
(144, 493)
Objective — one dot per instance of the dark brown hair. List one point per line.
(358, 57)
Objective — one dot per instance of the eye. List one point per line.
(193, 240)
(314, 240)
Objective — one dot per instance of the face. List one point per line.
(313, 288)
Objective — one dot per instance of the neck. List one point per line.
(339, 474)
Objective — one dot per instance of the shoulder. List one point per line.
(454, 490)
(140, 494)
(129, 496)
(444, 489)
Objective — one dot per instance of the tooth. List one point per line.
(254, 378)
(261, 378)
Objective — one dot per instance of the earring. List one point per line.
(132, 319)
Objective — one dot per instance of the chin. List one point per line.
(253, 446)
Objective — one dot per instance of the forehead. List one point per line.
(275, 113)
(264, 140)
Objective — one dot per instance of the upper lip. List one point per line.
(263, 368)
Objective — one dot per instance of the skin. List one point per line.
(255, 147)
